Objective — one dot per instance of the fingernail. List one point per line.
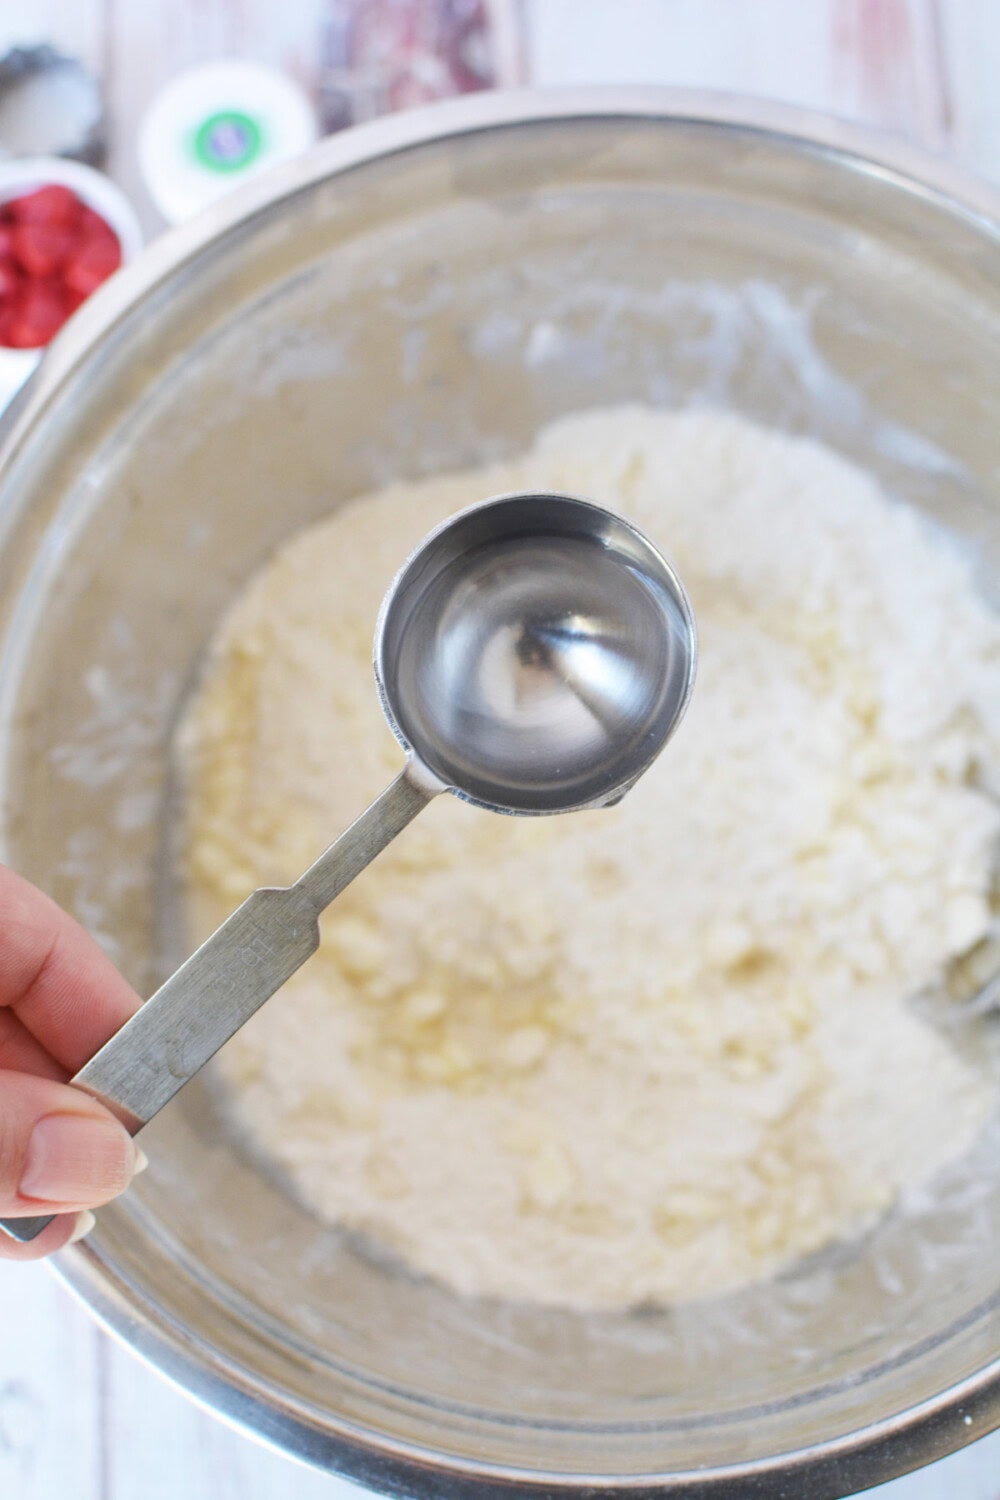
(84, 1224)
(75, 1156)
(141, 1161)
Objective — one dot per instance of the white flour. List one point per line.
(659, 1050)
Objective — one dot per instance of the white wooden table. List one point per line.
(81, 1419)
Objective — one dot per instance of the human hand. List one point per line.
(60, 999)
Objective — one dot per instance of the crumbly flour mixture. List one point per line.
(659, 1050)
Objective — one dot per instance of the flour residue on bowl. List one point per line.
(660, 1050)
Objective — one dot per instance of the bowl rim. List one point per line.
(864, 1456)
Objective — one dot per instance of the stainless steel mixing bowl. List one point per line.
(425, 293)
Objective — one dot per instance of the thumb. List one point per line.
(60, 1151)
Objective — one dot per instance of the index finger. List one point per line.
(63, 988)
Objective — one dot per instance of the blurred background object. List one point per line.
(211, 127)
(380, 55)
(351, 59)
(925, 69)
(49, 106)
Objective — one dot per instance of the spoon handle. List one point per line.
(229, 977)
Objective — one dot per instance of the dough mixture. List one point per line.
(656, 1051)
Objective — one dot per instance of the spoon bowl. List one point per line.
(535, 654)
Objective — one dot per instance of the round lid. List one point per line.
(212, 127)
(49, 106)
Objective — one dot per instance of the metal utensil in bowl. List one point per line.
(533, 655)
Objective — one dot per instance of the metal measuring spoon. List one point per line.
(533, 655)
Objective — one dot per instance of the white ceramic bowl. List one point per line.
(23, 175)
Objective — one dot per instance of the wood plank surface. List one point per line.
(52, 1403)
